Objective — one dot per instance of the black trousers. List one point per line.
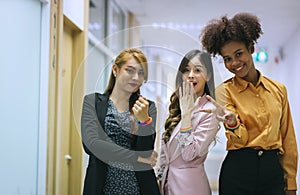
(251, 172)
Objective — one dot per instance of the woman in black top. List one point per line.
(118, 132)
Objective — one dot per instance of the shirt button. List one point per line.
(260, 153)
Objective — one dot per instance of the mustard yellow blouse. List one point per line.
(266, 121)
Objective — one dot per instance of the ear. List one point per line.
(208, 76)
(115, 69)
(251, 48)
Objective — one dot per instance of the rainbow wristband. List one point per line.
(186, 130)
(147, 122)
(232, 128)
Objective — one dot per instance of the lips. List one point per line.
(133, 84)
(193, 83)
(239, 68)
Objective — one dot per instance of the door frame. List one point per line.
(58, 24)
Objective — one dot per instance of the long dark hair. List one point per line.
(209, 89)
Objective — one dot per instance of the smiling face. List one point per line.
(130, 76)
(238, 59)
(196, 73)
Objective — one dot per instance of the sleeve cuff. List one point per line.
(291, 184)
(185, 139)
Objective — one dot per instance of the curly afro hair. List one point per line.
(243, 27)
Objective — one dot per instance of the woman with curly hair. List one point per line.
(262, 150)
(188, 132)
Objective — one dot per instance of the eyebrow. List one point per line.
(238, 50)
(197, 65)
(132, 67)
(129, 66)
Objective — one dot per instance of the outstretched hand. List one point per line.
(222, 114)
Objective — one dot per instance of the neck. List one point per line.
(120, 99)
(253, 78)
(200, 94)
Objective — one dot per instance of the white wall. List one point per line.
(289, 70)
(20, 92)
(74, 10)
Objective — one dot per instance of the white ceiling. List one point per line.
(279, 18)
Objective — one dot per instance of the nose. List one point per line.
(191, 74)
(136, 75)
(235, 61)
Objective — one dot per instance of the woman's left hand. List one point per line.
(222, 114)
(150, 160)
(140, 109)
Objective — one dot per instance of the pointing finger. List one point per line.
(205, 110)
(214, 102)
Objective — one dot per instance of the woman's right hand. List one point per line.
(222, 114)
(140, 109)
(187, 97)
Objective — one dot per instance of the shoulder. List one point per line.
(227, 83)
(273, 82)
(97, 95)
(92, 98)
(224, 87)
(273, 85)
(89, 96)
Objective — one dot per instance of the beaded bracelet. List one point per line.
(186, 130)
(232, 128)
(147, 122)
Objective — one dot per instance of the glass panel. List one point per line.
(96, 70)
(97, 18)
(116, 35)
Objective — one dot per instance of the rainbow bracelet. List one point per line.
(232, 128)
(147, 122)
(186, 130)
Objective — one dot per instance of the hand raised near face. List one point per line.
(222, 114)
(187, 97)
(140, 109)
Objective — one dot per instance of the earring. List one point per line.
(115, 74)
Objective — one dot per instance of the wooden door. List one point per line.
(68, 49)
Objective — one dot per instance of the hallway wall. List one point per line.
(20, 95)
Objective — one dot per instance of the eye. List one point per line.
(238, 54)
(141, 73)
(130, 71)
(227, 60)
(198, 70)
(186, 70)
